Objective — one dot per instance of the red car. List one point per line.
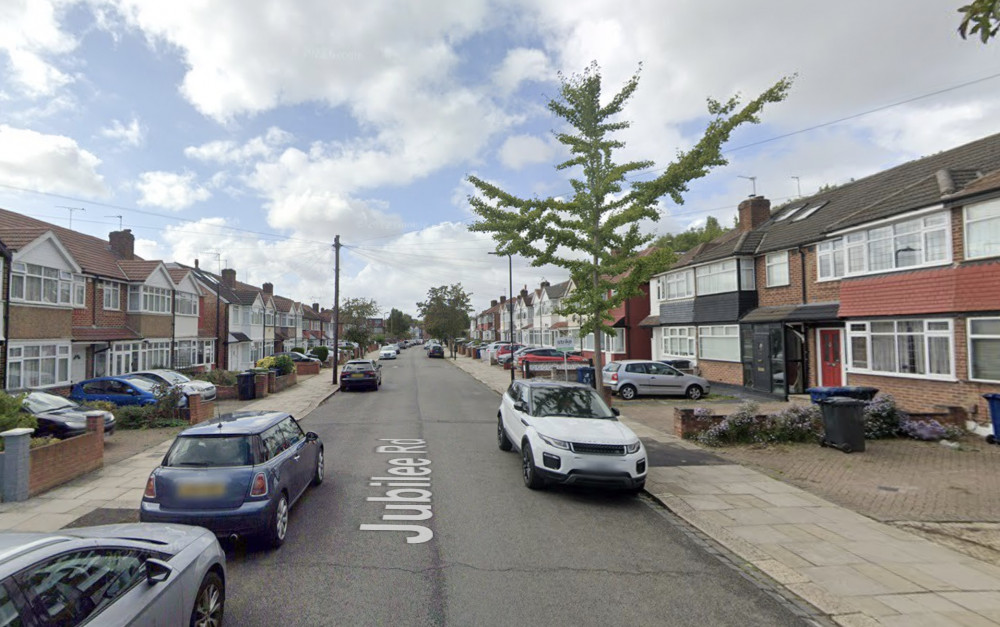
(550, 355)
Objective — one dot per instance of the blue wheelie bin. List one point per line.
(858, 392)
(993, 400)
(585, 374)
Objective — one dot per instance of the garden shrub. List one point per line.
(11, 416)
(145, 417)
(882, 418)
(737, 427)
(102, 405)
(797, 423)
(299, 350)
(266, 362)
(218, 377)
(284, 364)
(322, 353)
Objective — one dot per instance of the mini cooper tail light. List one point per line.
(259, 485)
(150, 492)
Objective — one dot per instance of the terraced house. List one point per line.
(891, 281)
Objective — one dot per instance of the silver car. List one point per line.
(629, 378)
(131, 574)
(186, 384)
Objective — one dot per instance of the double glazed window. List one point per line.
(678, 341)
(720, 343)
(777, 268)
(148, 299)
(903, 347)
(678, 285)
(112, 295)
(32, 283)
(982, 229)
(716, 278)
(187, 304)
(984, 349)
(37, 365)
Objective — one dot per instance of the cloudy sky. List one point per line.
(250, 133)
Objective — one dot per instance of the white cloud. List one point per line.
(520, 65)
(50, 163)
(170, 190)
(229, 152)
(29, 35)
(521, 150)
(131, 134)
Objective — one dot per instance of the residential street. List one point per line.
(500, 554)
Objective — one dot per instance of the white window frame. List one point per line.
(186, 304)
(111, 295)
(832, 249)
(776, 263)
(715, 332)
(861, 329)
(984, 336)
(672, 338)
(149, 299)
(993, 204)
(70, 289)
(707, 277)
(862, 240)
(21, 353)
(679, 285)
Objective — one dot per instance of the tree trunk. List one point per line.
(598, 344)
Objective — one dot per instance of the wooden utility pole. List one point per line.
(336, 306)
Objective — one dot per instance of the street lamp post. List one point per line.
(510, 307)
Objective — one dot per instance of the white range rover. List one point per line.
(567, 434)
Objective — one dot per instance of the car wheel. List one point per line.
(694, 392)
(532, 480)
(627, 392)
(318, 476)
(210, 603)
(503, 442)
(279, 523)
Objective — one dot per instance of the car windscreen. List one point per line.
(38, 402)
(142, 383)
(174, 377)
(569, 402)
(350, 367)
(209, 451)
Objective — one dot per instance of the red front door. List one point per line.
(829, 352)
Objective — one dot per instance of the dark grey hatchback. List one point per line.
(236, 475)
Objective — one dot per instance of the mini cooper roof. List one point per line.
(237, 423)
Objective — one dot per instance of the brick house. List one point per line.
(891, 281)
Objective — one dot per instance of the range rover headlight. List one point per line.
(633, 448)
(554, 442)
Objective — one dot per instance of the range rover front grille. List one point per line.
(598, 449)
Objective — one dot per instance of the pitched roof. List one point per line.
(210, 280)
(92, 253)
(138, 270)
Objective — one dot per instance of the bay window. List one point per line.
(32, 283)
(777, 268)
(721, 343)
(984, 349)
(982, 229)
(902, 347)
(37, 364)
(148, 299)
(186, 304)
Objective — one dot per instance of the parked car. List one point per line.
(237, 475)
(298, 357)
(129, 574)
(551, 356)
(360, 373)
(567, 434)
(186, 384)
(631, 377)
(436, 350)
(387, 352)
(62, 418)
(505, 352)
(124, 390)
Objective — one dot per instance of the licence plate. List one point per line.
(357, 376)
(200, 490)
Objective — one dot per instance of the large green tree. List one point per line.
(398, 324)
(355, 316)
(594, 232)
(446, 312)
(683, 242)
(982, 17)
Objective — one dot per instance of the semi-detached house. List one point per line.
(891, 281)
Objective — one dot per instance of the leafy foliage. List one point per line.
(982, 17)
(284, 364)
(683, 242)
(398, 324)
(446, 311)
(299, 350)
(266, 362)
(882, 418)
(102, 405)
(355, 314)
(11, 416)
(322, 353)
(218, 377)
(594, 233)
(144, 417)
(797, 423)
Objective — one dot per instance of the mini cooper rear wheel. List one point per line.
(279, 523)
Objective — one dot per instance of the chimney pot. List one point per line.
(753, 211)
(195, 264)
(123, 243)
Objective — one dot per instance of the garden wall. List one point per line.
(57, 463)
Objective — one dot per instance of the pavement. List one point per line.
(863, 538)
(120, 485)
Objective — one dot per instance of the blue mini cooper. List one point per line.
(236, 475)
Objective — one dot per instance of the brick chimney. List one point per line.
(754, 211)
(195, 264)
(268, 289)
(316, 307)
(524, 292)
(493, 303)
(545, 284)
(122, 243)
(503, 299)
(229, 277)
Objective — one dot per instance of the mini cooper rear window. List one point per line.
(210, 451)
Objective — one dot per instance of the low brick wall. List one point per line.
(227, 392)
(687, 424)
(285, 382)
(307, 368)
(63, 460)
(199, 410)
(260, 385)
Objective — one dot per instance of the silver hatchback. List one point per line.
(630, 377)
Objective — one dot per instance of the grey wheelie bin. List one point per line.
(843, 423)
